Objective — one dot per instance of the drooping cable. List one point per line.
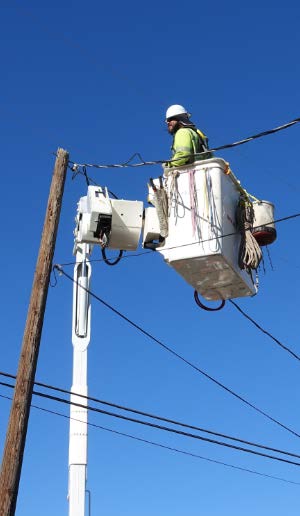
(208, 308)
(177, 355)
(259, 327)
(108, 261)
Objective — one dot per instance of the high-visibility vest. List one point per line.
(186, 143)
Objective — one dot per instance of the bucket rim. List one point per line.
(263, 202)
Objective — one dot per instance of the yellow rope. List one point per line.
(242, 190)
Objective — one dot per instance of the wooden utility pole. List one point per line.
(19, 415)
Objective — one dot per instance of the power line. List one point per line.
(143, 163)
(152, 416)
(264, 331)
(260, 328)
(116, 432)
(125, 256)
(289, 217)
(282, 219)
(177, 355)
(160, 427)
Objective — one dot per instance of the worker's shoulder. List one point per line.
(184, 131)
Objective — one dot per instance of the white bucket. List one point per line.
(263, 224)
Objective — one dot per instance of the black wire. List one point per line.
(132, 158)
(159, 427)
(101, 259)
(113, 194)
(86, 176)
(263, 331)
(258, 135)
(180, 357)
(53, 282)
(221, 147)
(153, 416)
(208, 308)
(289, 217)
(269, 257)
(282, 219)
(135, 438)
(88, 179)
(76, 171)
(109, 261)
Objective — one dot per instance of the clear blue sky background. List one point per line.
(96, 78)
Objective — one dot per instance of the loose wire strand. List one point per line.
(153, 443)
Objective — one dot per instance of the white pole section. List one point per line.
(78, 423)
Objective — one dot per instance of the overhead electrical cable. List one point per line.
(99, 260)
(153, 416)
(177, 355)
(153, 443)
(143, 163)
(235, 304)
(282, 219)
(263, 330)
(159, 427)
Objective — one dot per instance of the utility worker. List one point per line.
(187, 139)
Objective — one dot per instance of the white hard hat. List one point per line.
(176, 110)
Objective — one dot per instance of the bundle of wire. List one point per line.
(250, 253)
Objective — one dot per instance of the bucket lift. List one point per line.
(203, 239)
(194, 226)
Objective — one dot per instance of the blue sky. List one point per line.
(96, 80)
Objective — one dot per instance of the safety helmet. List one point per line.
(176, 110)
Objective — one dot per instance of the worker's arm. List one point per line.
(183, 148)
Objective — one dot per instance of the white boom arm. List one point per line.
(78, 422)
